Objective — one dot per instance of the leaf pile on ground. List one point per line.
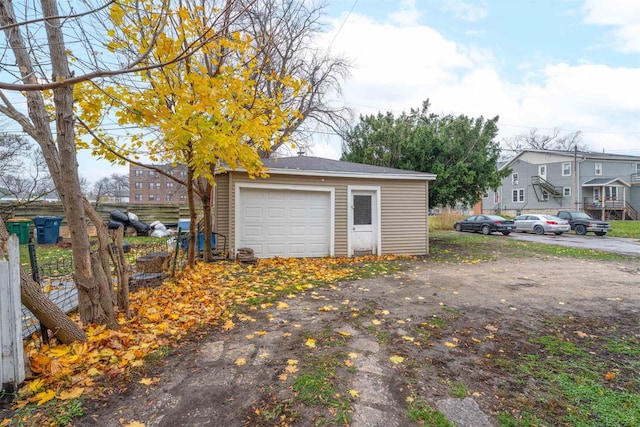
(208, 295)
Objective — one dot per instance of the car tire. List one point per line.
(486, 230)
(538, 229)
(506, 233)
(558, 233)
(581, 230)
(458, 227)
(600, 233)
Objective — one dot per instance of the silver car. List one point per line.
(540, 224)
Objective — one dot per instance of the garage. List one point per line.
(285, 222)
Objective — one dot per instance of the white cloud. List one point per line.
(397, 67)
(467, 11)
(622, 15)
(407, 15)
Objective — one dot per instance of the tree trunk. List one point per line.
(60, 152)
(122, 271)
(204, 192)
(39, 304)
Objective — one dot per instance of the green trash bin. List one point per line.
(20, 227)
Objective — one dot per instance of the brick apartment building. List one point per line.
(147, 186)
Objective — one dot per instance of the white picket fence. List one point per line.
(12, 371)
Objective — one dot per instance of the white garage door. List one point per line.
(284, 223)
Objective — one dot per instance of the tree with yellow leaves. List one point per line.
(37, 93)
(205, 111)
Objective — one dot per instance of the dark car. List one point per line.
(485, 224)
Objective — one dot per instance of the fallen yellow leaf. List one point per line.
(72, 394)
(44, 396)
(396, 359)
(311, 343)
(228, 325)
(241, 361)
(36, 384)
(450, 344)
(354, 393)
(134, 424)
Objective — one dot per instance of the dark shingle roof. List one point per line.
(597, 182)
(315, 165)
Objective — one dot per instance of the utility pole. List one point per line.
(574, 190)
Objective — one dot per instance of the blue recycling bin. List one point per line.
(47, 229)
(199, 242)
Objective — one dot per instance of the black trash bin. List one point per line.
(47, 229)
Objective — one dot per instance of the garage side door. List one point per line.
(284, 223)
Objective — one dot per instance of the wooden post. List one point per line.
(12, 370)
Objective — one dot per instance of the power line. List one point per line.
(344, 21)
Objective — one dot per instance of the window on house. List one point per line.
(183, 197)
(485, 195)
(151, 197)
(158, 197)
(169, 197)
(514, 179)
(566, 169)
(183, 174)
(517, 195)
(138, 197)
(138, 172)
(545, 196)
(496, 197)
(153, 174)
(598, 169)
(611, 193)
(170, 185)
(138, 185)
(566, 191)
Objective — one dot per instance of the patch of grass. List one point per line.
(420, 411)
(557, 346)
(383, 338)
(158, 354)
(629, 229)
(54, 413)
(444, 221)
(316, 386)
(471, 247)
(595, 404)
(627, 347)
(525, 419)
(458, 390)
(280, 412)
(571, 383)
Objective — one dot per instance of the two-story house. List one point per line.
(544, 181)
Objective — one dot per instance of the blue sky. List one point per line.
(573, 65)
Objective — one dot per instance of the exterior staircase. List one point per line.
(541, 185)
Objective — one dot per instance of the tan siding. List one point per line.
(221, 213)
(403, 207)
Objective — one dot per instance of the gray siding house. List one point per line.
(544, 181)
(315, 207)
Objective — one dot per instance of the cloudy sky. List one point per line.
(567, 64)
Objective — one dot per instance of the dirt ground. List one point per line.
(449, 322)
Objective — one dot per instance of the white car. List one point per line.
(540, 224)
